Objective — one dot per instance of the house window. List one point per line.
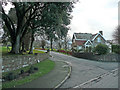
(99, 39)
(79, 47)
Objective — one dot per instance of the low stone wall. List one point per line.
(15, 62)
(108, 57)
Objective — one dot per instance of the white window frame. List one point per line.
(99, 39)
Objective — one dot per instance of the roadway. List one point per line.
(85, 70)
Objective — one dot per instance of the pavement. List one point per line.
(51, 80)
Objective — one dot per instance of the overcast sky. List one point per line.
(91, 16)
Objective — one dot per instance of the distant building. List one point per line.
(84, 41)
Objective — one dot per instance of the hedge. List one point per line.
(116, 49)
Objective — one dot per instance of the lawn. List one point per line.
(46, 49)
(5, 51)
(43, 68)
(36, 51)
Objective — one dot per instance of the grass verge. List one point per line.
(43, 68)
(5, 51)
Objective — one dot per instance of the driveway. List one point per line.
(84, 70)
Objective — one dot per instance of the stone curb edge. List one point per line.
(95, 79)
(68, 75)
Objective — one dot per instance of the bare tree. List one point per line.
(43, 43)
(116, 35)
(63, 43)
(66, 41)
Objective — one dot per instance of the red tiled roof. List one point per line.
(79, 42)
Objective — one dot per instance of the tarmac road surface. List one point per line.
(84, 70)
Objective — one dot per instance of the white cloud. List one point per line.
(94, 15)
(7, 8)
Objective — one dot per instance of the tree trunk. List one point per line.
(42, 47)
(16, 45)
(31, 46)
(51, 42)
(59, 44)
(13, 47)
(23, 47)
(65, 44)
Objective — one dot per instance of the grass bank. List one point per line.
(43, 68)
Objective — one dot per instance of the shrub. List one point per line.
(22, 71)
(10, 76)
(70, 53)
(116, 49)
(66, 52)
(42, 49)
(54, 50)
(101, 49)
(36, 53)
(48, 50)
(35, 68)
(31, 70)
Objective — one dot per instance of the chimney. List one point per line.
(101, 32)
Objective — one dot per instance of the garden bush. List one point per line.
(10, 76)
(116, 49)
(101, 49)
(35, 68)
(66, 52)
(22, 71)
(31, 70)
